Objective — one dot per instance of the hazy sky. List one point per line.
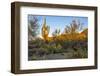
(59, 22)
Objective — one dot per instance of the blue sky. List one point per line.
(59, 22)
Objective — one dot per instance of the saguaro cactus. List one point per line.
(45, 30)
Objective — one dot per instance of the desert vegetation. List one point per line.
(70, 44)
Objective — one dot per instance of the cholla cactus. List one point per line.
(56, 33)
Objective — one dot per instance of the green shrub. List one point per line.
(80, 54)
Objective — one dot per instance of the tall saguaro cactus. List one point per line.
(45, 30)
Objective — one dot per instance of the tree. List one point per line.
(33, 27)
(74, 27)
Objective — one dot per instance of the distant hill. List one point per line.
(85, 31)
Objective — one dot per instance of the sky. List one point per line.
(58, 22)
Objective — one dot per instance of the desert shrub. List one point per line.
(80, 54)
(76, 49)
(52, 48)
(84, 53)
(34, 57)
